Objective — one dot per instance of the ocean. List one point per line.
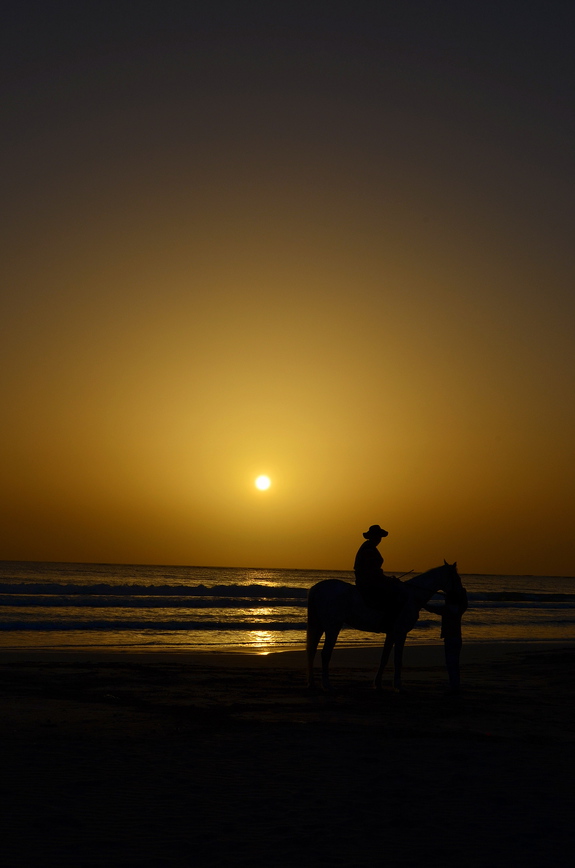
(139, 607)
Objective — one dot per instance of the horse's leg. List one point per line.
(406, 621)
(387, 646)
(314, 634)
(331, 635)
(397, 661)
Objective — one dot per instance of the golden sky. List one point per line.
(334, 250)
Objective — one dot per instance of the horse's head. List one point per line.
(450, 579)
(444, 578)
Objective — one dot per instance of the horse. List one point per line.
(333, 604)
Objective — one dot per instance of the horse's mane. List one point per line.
(433, 571)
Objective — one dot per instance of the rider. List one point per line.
(377, 590)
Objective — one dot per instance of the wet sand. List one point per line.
(170, 759)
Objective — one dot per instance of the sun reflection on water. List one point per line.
(263, 641)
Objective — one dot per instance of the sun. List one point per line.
(263, 483)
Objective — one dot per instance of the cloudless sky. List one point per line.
(330, 243)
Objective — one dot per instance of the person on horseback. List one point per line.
(378, 591)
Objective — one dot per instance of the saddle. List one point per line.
(366, 618)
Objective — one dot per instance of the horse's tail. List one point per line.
(315, 630)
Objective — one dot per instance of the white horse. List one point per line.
(333, 604)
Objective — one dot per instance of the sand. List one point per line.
(170, 759)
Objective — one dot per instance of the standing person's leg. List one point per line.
(452, 653)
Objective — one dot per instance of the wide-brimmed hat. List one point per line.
(375, 530)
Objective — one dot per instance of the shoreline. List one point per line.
(354, 657)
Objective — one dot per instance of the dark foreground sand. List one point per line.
(177, 760)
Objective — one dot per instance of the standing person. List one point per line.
(378, 591)
(451, 612)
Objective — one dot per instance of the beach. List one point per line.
(176, 759)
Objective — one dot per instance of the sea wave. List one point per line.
(520, 596)
(225, 596)
(104, 590)
(117, 601)
(135, 590)
(163, 625)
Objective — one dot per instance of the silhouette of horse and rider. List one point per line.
(383, 604)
